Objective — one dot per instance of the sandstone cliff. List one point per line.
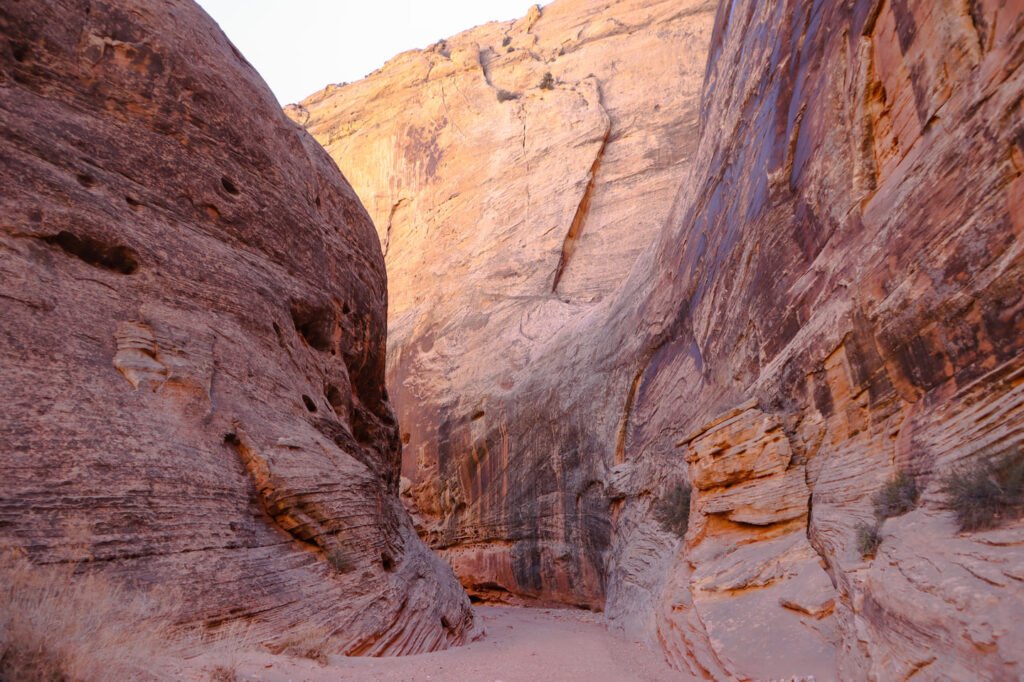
(192, 348)
(514, 172)
(834, 298)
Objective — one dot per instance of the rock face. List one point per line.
(514, 172)
(835, 296)
(193, 305)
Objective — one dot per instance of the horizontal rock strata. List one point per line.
(192, 348)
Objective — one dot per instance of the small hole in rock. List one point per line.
(345, 310)
(445, 624)
(86, 180)
(310, 405)
(229, 186)
(20, 51)
(318, 201)
(116, 258)
(132, 201)
(231, 438)
(315, 325)
(387, 562)
(477, 415)
(406, 437)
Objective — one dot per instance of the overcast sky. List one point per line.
(299, 46)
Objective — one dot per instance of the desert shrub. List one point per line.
(986, 492)
(896, 498)
(58, 626)
(505, 96)
(869, 539)
(673, 510)
(506, 41)
(224, 673)
(309, 641)
(547, 82)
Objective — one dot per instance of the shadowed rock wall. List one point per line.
(192, 348)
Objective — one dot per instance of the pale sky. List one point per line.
(299, 46)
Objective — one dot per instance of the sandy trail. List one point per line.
(520, 645)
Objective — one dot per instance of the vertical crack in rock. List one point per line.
(391, 217)
(576, 227)
(627, 410)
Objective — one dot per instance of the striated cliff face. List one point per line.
(514, 173)
(843, 295)
(835, 296)
(192, 349)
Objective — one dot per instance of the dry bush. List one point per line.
(987, 492)
(58, 626)
(896, 498)
(310, 642)
(869, 539)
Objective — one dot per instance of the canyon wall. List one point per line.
(514, 173)
(192, 348)
(835, 296)
(846, 304)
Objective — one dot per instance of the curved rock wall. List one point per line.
(835, 297)
(194, 305)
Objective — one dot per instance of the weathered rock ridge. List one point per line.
(192, 348)
(835, 296)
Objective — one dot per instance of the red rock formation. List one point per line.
(193, 305)
(514, 172)
(835, 297)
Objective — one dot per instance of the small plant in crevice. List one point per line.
(673, 510)
(505, 96)
(986, 492)
(897, 497)
(506, 41)
(869, 539)
(547, 82)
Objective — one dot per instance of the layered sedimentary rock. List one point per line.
(192, 354)
(514, 173)
(835, 297)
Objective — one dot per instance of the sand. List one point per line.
(520, 645)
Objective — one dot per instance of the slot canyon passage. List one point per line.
(695, 326)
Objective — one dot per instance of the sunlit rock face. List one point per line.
(192, 349)
(831, 293)
(514, 173)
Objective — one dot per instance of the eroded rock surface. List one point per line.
(514, 173)
(192, 348)
(835, 296)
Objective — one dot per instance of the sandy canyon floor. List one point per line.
(519, 645)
